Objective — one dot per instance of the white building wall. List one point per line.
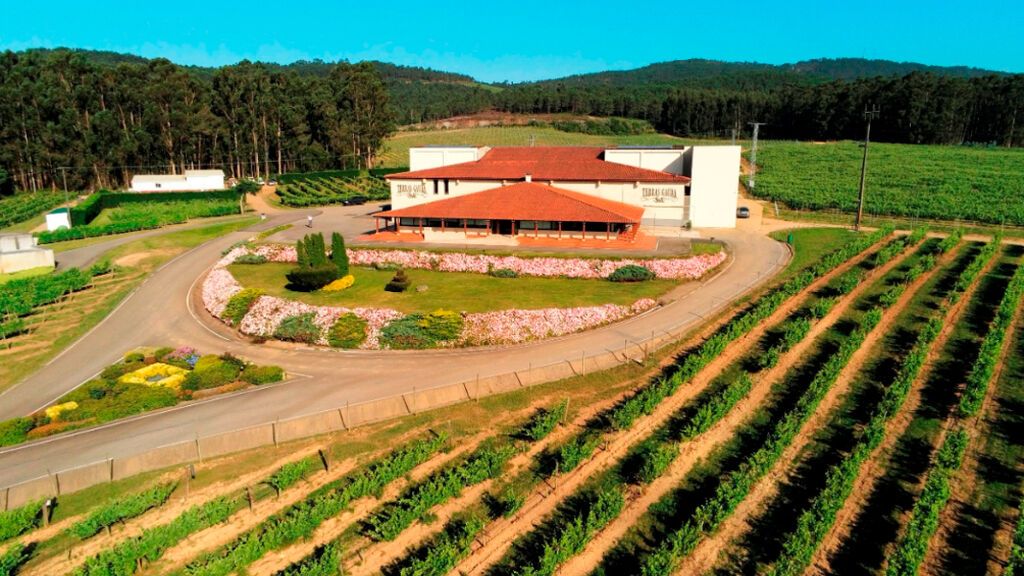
(715, 175)
(662, 160)
(189, 182)
(424, 158)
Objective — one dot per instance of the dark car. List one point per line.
(355, 201)
(743, 212)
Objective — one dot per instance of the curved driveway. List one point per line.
(161, 312)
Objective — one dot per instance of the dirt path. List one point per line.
(965, 481)
(72, 558)
(499, 536)
(738, 523)
(876, 466)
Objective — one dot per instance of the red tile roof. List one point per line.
(524, 201)
(565, 163)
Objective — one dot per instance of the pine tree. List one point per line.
(301, 253)
(338, 254)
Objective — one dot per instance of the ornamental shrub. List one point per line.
(134, 357)
(20, 520)
(210, 372)
(418, 331)
(339, 256)
(14, 431)
(340, 284)
(298, 328)
(348, 331)
(257, 375)
(239, 304)
(399, 283)
(503, 273)
(311, 279)
(251, 259)
(631, 273)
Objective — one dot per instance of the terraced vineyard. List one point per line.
(856, 419)
(322, 188)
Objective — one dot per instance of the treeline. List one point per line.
(918, 108)
(65, 120)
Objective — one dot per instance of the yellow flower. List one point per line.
(340, 284)
(158, 374)
(54, 412)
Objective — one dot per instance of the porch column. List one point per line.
(513, 228)
(376, 225)
(488, 228)
(608, 234)
(559, 229)
(465, 228)
(421, 226)
(442, 224)
(536, 229)
(583, 227)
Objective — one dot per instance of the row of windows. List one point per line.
(437, 186)
(524, 225)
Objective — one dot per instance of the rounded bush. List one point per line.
(503, 273)
(312, 278)
(239, 304)
(631, 273)
(399, 283)
(348, 331)
(418, 331)
(298, 328)
(257, 375)
(251, 259)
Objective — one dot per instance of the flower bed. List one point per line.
(689, 268)
(515, 326)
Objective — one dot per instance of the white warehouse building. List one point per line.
(563, 191)
(188, 181)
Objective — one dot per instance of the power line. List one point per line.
(868, 115)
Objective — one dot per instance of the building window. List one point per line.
(156, 184)
(408, 222)
(435, 186)
(446, 186)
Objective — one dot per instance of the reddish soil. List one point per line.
(499, 535)
(875, 468)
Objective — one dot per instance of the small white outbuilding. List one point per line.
(57, 219)
(188, 181)
(20, 252)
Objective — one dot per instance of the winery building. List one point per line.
(562, 192)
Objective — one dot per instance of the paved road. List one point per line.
(161, 312)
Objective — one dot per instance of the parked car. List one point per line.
(743, 212)
(272, 183)
(355, 201)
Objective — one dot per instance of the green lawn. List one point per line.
(453, 291)
(810, 244)
(5, 278)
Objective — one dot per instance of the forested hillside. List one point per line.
(96, 118)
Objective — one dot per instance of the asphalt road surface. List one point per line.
(165, 311)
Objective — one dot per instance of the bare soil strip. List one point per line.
(738, 523)
(498, 537)
(876, 466)
(963, 483)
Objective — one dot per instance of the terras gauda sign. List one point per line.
(412, 190)
(660, 195)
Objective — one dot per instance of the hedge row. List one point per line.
(301, 519)
(12, 558)
(735, 487)
(443, 552)
(1015, 564)
(924, 517)
(291, 473)
(122, 509)
(91, 207)
(984, 366)
(974, 268)
(485, 463)
(288, 178)
(325, 561)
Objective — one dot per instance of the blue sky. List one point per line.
(528, 39)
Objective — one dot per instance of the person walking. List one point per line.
(309, 221)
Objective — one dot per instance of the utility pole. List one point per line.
(868, 115)
(753, 154)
